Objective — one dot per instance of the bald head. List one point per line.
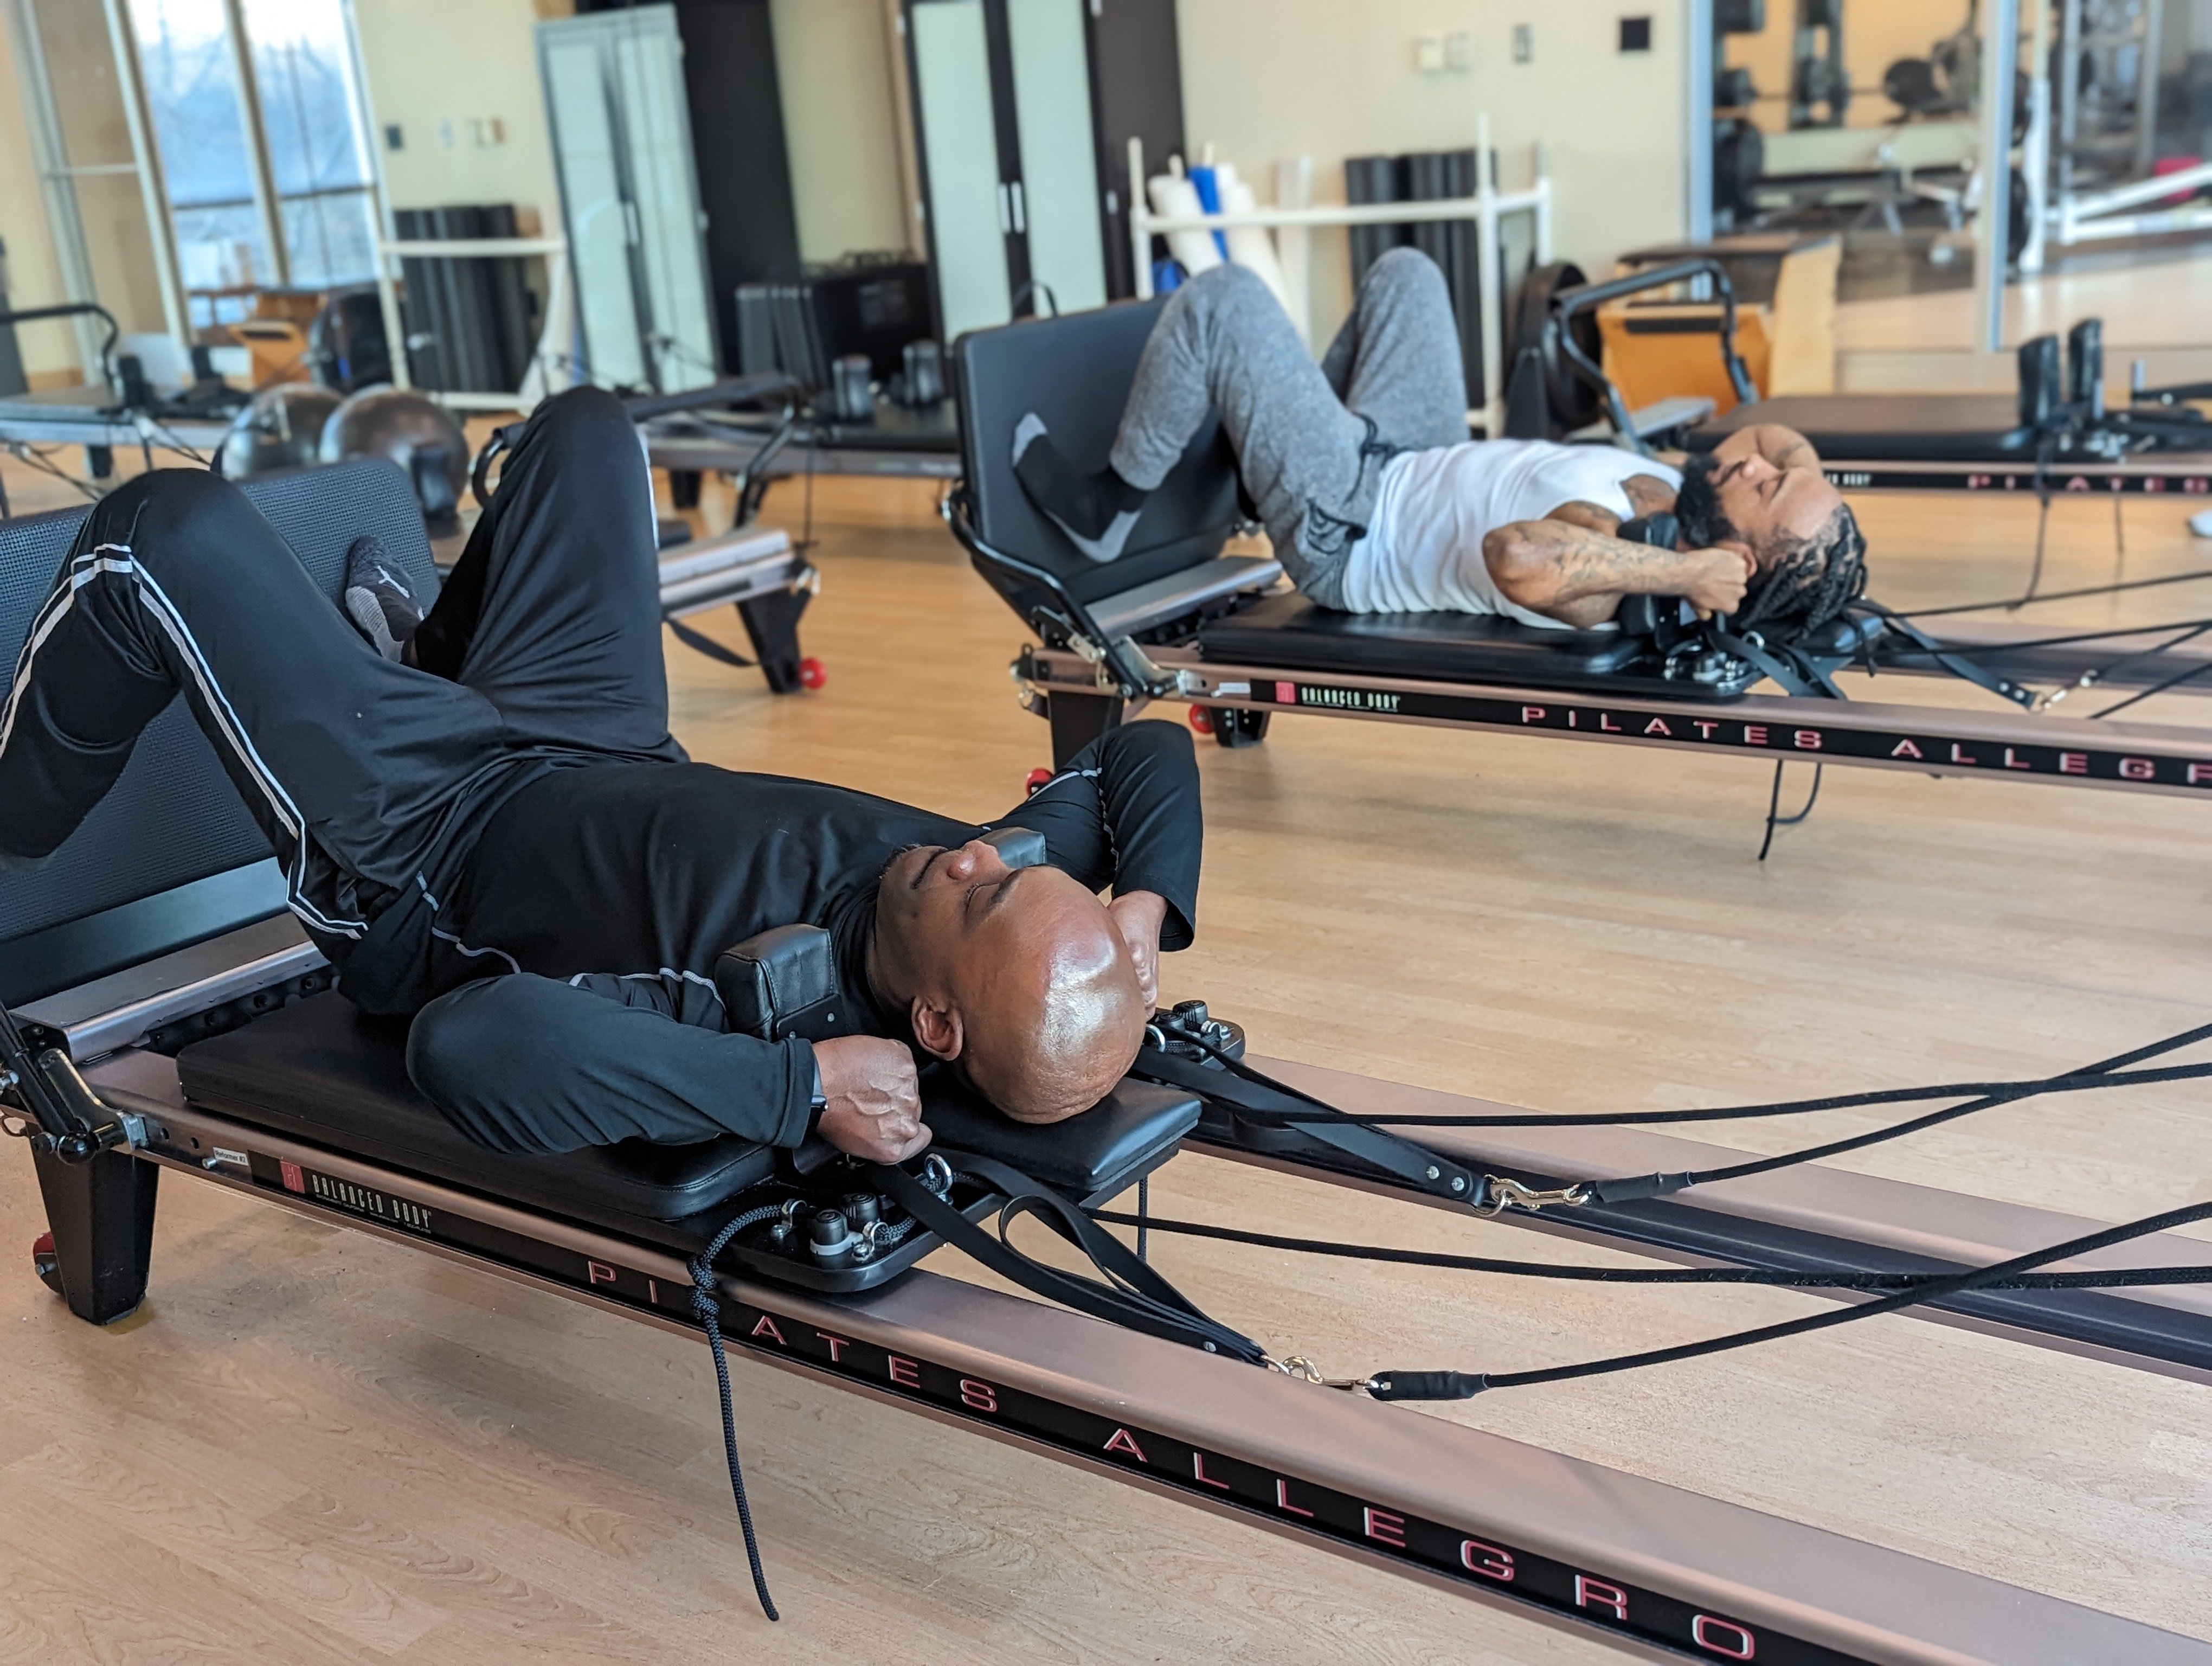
(1017, 973)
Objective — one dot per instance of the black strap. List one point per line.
(708, 646)
(1953, 662)
(1796, 673)
(1137, 1296)
(1237, 1086)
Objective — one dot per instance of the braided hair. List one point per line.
(1809, 581)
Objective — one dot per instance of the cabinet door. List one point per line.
(671, 265)
(969, 203)
(597, 216)
(1058, 206)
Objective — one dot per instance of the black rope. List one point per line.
(1459, 1385)
(707, 1311)
(2193, 626)
(1659, 1185)
(2114, 1278)
(2010, 602)
(700, 642)
(2159, 687)
(2043, 453)
(1774, 805)
(1997, 1093)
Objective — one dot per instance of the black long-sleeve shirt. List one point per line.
(602, 893)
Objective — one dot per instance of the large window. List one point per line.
(263, 151)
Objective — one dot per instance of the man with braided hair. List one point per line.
(1361, 469)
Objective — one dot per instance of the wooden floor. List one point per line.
(313, 1447)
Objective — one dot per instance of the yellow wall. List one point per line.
(48, 349)
(434, 66)
(833, 75)
(1267, 79)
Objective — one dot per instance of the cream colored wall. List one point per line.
(444, 70)
(833, 70)
(1267, 79)
(35, 280)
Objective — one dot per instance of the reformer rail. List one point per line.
(1650, 1567)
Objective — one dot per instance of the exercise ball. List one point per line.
(282, 429)
(415, 432)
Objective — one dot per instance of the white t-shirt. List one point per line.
(1423, 552)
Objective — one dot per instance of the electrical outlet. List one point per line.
(1524, 43)
(1458, 50)
(1429, 54)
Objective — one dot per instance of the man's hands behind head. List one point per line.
(1718, 580)
(874, 1099)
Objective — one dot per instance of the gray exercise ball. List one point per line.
(415, 432)
(282, 430)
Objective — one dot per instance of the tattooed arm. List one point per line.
(1570, 567)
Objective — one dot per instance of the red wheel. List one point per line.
(1037, 778)
(1201, 719)
(45, 1264)
(811, 674)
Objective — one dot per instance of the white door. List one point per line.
(969, 204)
(1060, 201)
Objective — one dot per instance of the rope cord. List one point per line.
(1774, 817)
(2159, 687)
(1995, 1092)
(2113, 1279)
(2192, 627)
(707, 1311)
(2008, 603)
(1456, 1385)
(1614, 1191)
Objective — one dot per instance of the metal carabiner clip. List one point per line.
(1305, 1371)
(1503, 1193)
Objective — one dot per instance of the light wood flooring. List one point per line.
(314, 1447)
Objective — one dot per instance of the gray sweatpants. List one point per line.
(1311, 439)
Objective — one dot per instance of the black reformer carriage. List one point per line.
(1175, 618)
(164, 1013)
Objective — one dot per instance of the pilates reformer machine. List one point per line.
(2054, 434)
(160, 1011)
(118, 411)
(1174, 619)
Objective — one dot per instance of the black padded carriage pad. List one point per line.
(1290, 631)
(320, 1070)
(1080, 1157)
(1903, 428)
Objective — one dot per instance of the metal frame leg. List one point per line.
(101, 1214)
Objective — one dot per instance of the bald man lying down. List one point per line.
(485, 824)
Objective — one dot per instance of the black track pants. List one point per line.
(369, 779)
